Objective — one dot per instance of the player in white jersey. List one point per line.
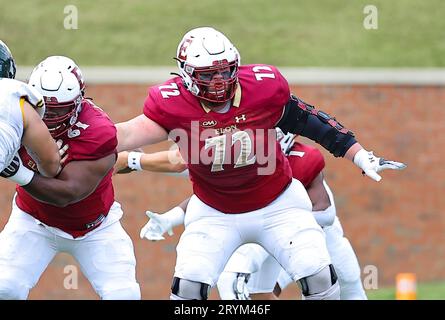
(20, 124)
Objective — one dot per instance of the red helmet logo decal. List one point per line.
(182, 51)
(79, 77)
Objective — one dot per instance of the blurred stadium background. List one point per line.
(397, 225)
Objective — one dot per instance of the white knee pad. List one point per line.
(12, 290)
(189, 290)
(228, 286)
(345, 262)
(129, 291)
(332, 293)
(321, 286)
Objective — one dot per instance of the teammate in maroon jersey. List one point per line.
(222, 116)
(76, 211)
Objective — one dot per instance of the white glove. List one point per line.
(370, 164)
(287, 142)
(161, 223)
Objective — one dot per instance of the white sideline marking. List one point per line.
(295, 76)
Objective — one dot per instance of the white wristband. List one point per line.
(23, 176)
(134, 160)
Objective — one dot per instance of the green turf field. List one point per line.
(282, 32)
(425, 291)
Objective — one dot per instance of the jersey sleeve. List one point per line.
(306, 162)
(281, 97)
(27, 160)
(153, 110)
(100, 142)
(32, 96)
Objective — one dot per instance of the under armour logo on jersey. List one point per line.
(95, 222)
(241, 117)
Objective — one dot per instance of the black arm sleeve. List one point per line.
(303, 119)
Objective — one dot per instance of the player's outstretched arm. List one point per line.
(163, 161)
(303, 119)
(39, 143)
(138, 132)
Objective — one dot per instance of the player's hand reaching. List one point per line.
(121, 165)
(371, 165)
(156, 227)
(62, 151)
(161, 223)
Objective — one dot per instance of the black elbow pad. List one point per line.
(294, 117)
(303, 119)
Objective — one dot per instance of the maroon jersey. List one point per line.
(306, 163)
(228, 153)
(92, 137)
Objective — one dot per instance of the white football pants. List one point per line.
(105, 255)
(264, 269)
(286, 228)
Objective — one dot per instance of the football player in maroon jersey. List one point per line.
(76, 211)
(251, 273)
(222, 116)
